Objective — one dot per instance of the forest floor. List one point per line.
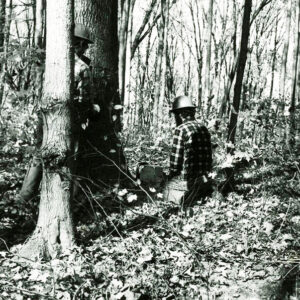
(242, 246)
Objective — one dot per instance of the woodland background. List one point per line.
(242, 243)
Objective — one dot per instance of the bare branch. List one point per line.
(137, 38)
(259, 9)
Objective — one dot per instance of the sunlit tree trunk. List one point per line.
(208, 57)
(198, 48)
(143, 92)
(296, 82)
(285, 53)
(54, 232)
(232, 72)
(238, 87)
(124, 11)
(160, 69)
(125, 39)
(141, 33)
(282, 84)
(171, 55)
(274, 55)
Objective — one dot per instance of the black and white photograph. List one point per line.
(150, 149)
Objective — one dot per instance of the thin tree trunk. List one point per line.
(274, 58)
(142, 90)
(285, 52)
(198, 46)
(295, 91)
(238, 87)
(54, 232)
(139, 37)
(282, 89)
(2, 23)
(2, 40)
(125, 40)
(160, 69)
(208, 57)
(124, 15)
(227, 89)
(231, 75)
(40, 24)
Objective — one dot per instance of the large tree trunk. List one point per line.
(102, 146)
(238, 87)
(54, 232)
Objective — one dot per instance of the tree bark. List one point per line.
(124, 16)
(238, 87)
(54, 232)
(159, 86)
(274, 58)
(101, 136)
(296, 82)
(198, 46)
(2, 23)
(208, 57)
(125, 40)
(33, 177)
(285, 52)
(2, 40)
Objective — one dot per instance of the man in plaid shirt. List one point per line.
(191, 155)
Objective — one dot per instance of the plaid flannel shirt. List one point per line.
(84, 91)
(83, 81)
(191, 154)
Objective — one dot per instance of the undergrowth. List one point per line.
(230, 247)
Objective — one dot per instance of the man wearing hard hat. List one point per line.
(83, 77)
(191, 155)
(84, 96)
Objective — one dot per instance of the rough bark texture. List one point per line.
(54, 232)
(102, 19)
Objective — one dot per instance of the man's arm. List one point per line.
(176, 158)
